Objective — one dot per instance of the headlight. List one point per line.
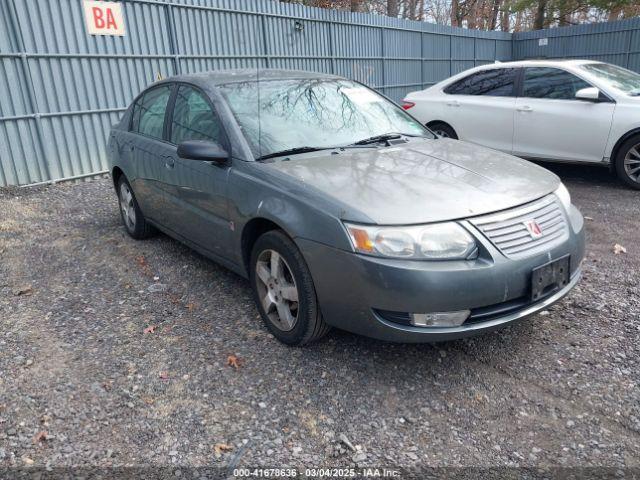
(564, 196)
(441, 241)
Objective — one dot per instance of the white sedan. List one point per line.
(569, 110)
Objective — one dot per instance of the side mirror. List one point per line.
(590, 94)
(202, 150)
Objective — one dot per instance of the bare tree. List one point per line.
(505, 15)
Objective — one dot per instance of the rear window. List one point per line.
(497, 82)
(149, 112)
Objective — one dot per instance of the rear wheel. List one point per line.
(132, 217)
(627, 162)
(284, 291)
(443, 130)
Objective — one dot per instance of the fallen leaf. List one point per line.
(191, 306)
(141, 261)
(234, 361)
(26, 291)
(150, 329)
(40, 437)
(618, 249)
(164, 375)
(27, 460)
(220, 448)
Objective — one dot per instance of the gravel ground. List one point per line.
(119, 351)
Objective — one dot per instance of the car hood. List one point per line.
(419, 182)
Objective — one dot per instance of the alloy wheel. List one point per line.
(441, 133)
(127, 206)
(277, 290)
(632, 163)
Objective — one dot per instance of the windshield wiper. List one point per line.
(293, 151)
(383, 138)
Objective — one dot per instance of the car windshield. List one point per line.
(617, 77)
(311, 113)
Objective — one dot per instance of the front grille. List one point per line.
(509, 233)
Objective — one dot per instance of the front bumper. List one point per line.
(354, 289)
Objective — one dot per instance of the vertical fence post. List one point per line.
(265, 43)
(332, 48)
(173, 36)
(450, 54)
(628, 52)
(384, 62)
(31, 94)
(474, 51)
(421, 57)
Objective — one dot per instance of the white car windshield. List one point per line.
(315, 113)
(619, 78)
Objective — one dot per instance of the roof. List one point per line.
(541, 62)
(219, 77)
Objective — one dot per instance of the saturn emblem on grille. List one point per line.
(533, 228)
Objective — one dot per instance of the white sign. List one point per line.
(543, 42)
(104, 18)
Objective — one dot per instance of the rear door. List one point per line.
(480, 107)
(550, 123)
(148, 150)
(197, 196)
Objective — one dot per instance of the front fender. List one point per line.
(301, 213)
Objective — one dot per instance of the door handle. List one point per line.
(453, 103)
(525, 108)
(132, 148)
(169, 163)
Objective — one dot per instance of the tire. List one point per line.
(443, 129)
(132, 218)
(274, 297)
(627, 162)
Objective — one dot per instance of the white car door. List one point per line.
(550, 123)
(480, 107)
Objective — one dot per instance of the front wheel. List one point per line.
(132, 217)
(627, 162)
(443, 130)
(284, 292)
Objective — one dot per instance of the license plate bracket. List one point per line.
(549, 278)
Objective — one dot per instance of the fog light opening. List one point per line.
(439, 319)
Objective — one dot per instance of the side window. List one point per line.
(193, 118)
(548, 82)
(148, 113)
(497, 82)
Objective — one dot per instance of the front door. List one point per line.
(197, 195)
(550, 123)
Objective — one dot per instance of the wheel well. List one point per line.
(251, 232)
(623, 138)
(433, 122)
(115, 175)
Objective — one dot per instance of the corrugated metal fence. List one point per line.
(614, 42)
(61, 89)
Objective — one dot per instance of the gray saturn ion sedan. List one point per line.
(341, 209)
